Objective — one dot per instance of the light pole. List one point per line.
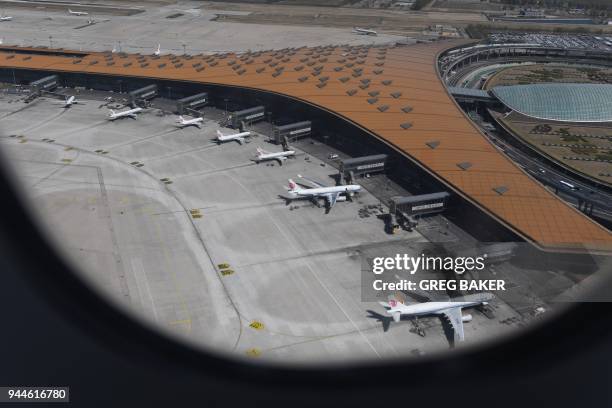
(50, 41)
(184, 49)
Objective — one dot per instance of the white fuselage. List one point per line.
(128, 113)
(419, 309)
(78, 13)
(6, 18)
(70, 101)
(364, 31)
(227, 138)
(190, 122)
(321, 191)
(275, 156)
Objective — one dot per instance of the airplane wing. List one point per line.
(331, 199)
(240, 140)
(281, 159)
(314, 183)
(262, 151)
(456, 320)
(423, 296)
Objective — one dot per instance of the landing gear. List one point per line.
(417, 327)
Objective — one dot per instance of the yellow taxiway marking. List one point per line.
(177, 322)
(256, 325)
(253, 352)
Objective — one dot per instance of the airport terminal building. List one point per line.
(364, 100)
(574, 103)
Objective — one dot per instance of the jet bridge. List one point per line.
(239, 119)
(360, 166)
(191, 103)
(142, 95)
(46, 84)
(405, 210)
(287, 133)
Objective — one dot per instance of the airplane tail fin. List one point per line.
(292, 186)
(181, 118)
(219, 134)
(391, 304)
(112, 112)
(260, 151)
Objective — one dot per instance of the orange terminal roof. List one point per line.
(394, 93)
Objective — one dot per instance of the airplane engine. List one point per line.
(341, 198)
(466, 318)
(396, 316)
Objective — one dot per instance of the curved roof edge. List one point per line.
(394, 93)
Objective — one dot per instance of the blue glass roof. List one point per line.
(559, 102)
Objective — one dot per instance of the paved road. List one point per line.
(547, 175)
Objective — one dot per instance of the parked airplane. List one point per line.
(238, 137)
(70, 100)
(128, 113)
(364, 31)
(182, 122)
(78, 13)
(330, 194)
(263, 155)
(451, 309)
(158, 50)
(4, 17)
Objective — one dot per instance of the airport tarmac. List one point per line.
(187, 28)
(148, 213)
